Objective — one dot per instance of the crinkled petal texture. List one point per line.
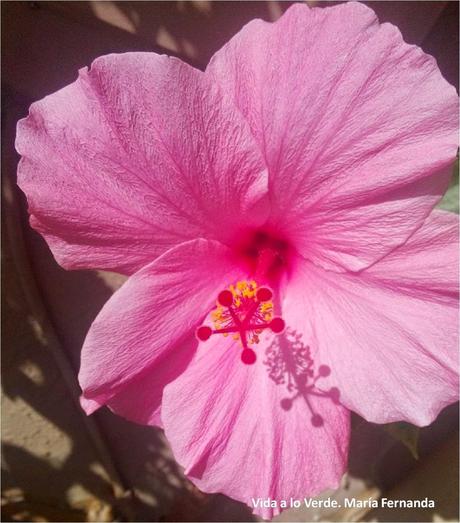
(225, 424)
(357, 128)
(144, 335)
(141, 153)
(390, 333)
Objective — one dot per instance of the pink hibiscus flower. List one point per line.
(308, 157)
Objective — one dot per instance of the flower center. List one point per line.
(243, 310)
(266, 255)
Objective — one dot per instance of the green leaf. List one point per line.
(450, 200)
(406, 433)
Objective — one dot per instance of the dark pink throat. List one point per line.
(266, 254)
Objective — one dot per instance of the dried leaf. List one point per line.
(406, 433)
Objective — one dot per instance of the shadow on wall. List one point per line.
(78, 32)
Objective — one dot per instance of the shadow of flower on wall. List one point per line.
(290, 363)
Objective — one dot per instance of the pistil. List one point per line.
(243, 310)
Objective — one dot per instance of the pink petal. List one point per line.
(390, 333)
(140, 400)
(227, 428)
(143, 336)
(358, 129)
(140, 153)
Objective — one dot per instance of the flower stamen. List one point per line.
(243, 310)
